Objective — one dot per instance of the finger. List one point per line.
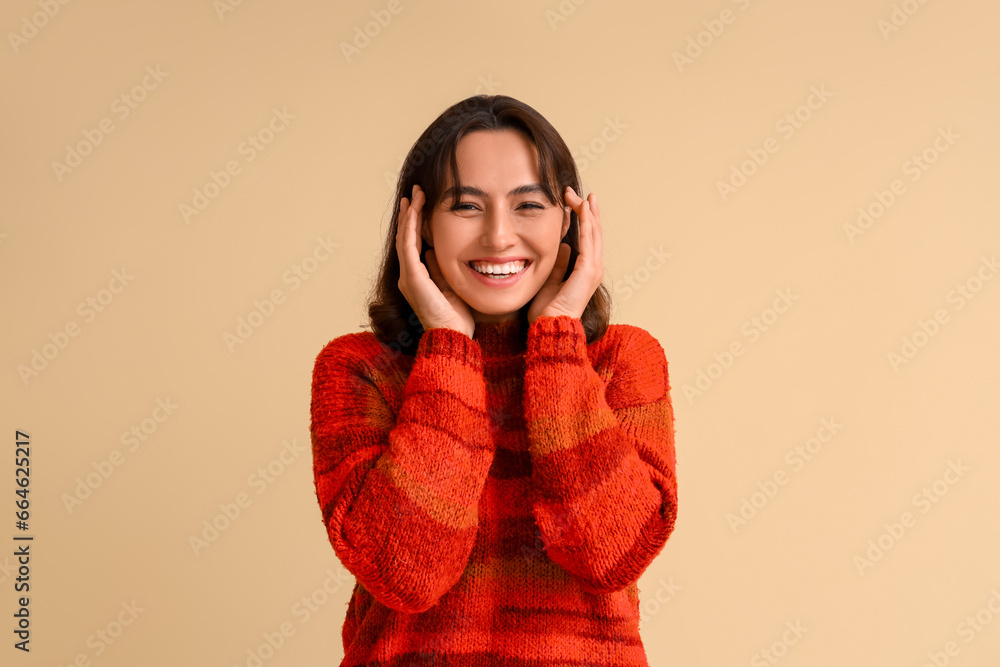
(572, 198)
(575, 201)
(401, 223)
(559, 267)
(418, 205)
(407, 247)
(596, 241)
(562, 260)
(598, 250)
(404, 205)
(434, 270)
(414, 205)
(430, 259)
(586, 230)
(432, 267)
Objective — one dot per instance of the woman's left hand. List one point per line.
(572, 296)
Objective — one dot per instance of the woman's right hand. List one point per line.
(424, 287)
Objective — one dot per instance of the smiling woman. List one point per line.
(494, 462)
(475, 229)
(495, 177)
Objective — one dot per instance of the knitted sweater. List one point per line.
(496, 497)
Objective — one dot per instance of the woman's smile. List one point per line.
(499, 274)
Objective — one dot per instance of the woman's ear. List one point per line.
(567, 215)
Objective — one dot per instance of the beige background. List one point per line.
(660, 138)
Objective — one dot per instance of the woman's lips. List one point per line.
(500, 282)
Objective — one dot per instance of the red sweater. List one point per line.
(496, 497)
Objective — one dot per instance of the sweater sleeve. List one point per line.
(602, 458)
(399, 493)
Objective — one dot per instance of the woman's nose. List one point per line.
(498, 229)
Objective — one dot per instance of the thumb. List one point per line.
(559, 268)
(433, 269)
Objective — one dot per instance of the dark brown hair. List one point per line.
(428, 164)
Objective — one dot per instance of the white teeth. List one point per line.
(499, 269)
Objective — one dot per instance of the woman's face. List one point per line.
(501, 215)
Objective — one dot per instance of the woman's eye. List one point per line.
(466, 206)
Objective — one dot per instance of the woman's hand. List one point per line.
(571, 297)
(424, 287)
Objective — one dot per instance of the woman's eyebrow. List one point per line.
(529, 188)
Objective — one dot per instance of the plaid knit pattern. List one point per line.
(496, 497)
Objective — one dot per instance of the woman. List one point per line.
(494, 461)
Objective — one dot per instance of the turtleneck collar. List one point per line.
(502, 338)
